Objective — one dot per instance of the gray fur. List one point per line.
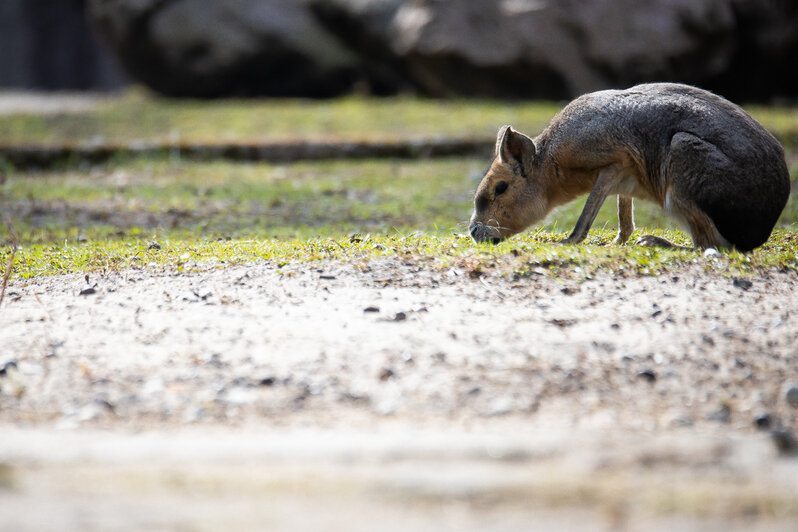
(699, 156)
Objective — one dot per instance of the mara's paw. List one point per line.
(655, 241)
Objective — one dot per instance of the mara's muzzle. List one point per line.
(485, 233)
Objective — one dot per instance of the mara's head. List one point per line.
(508, 199)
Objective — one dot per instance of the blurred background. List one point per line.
(746, 50)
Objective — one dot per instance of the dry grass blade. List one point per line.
(14, 245)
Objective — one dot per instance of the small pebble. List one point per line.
(792, 396)
(785, 442)
(386, 373)
(711, 252)
(763, 421)
(400, 316)
(239, 396)
(500, 407)
(5, 366)
(745, 284)
(266, 381)
(371, 309)
(722, 414)
(88, 290)
(215, 360)
(386, 407)
(647, 375)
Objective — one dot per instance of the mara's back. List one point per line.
(647, 116)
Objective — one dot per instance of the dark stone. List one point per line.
(785, 442)
(267, 381)
(722, 414)
(763, 421)
(647, 375)
(792, 396)
(5, 366)
(88, 290)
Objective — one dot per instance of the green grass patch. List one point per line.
(138, 116)
(206, 215)
(77, 218)
(535, 253)
(235, 200)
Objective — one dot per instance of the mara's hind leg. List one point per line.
(698, 174)
(702, 229)
(626, 219)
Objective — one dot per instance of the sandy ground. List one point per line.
(398, 395)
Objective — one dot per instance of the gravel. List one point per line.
(630, 368)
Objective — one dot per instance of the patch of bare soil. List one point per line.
(32, 102)
(397, 394)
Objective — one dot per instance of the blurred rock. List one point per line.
(556, 48)
(791, 394)
(508, 48)
(563, 48)
(235, 47)
(763, 421)
(785, 442)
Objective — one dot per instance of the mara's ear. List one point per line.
(512, 146)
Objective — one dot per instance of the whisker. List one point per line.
(497, 226)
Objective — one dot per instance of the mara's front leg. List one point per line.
(626, 219)
(605, 183)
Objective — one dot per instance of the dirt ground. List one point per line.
(47, 103)
(398, 395)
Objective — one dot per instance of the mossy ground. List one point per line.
(138, 116)
(91, 218)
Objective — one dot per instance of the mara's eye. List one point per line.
(501, 188)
